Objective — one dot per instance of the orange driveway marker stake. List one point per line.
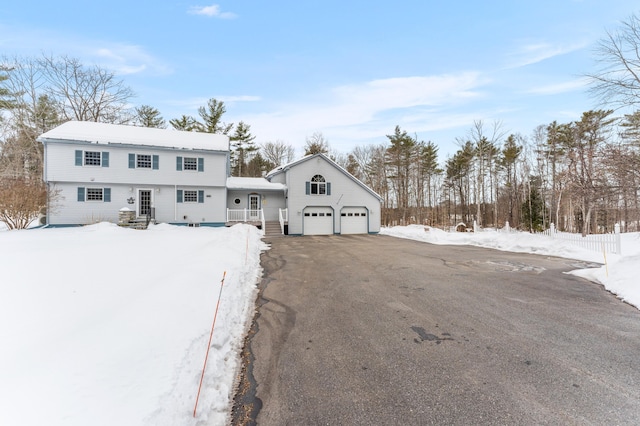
(206, 357)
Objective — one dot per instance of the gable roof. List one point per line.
(284, 168)
(104, 133)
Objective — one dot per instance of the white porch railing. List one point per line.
(610, 243)
(283, 216)
(245, 215)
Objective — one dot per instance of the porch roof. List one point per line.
(254, 184)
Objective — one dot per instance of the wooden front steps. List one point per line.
(272, 229)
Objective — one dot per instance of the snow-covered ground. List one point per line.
(103, 325)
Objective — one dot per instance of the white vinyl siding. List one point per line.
(115, 167)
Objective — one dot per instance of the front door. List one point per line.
(254, 206)
(144, 202)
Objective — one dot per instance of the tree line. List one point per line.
(581, 175)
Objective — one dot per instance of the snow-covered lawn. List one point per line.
(102, 325)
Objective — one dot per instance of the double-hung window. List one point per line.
(94, 194)
(189, 196)
(190, 163)
(92, 158)
(194, 164)
(144, 161)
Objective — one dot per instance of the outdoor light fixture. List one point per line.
(130, 200)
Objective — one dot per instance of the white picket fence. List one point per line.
(609, 243)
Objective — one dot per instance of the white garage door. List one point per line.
(354, 220)
(318, 221)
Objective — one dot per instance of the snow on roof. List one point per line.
(253, 183)
(103, 133)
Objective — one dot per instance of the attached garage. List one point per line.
(354, 220)
(318, 221)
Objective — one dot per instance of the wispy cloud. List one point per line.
(125, 59)
(212, 11)
(405, 92)
(369, 110)
(121, 58)
(532, 53)
(558, 88)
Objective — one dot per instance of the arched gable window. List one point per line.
(318, 186)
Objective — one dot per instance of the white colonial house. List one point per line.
(104, 172)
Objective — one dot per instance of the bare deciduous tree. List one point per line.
(277, 153)
(617, 80)
(20, 201)
(316, 144)
(86, 93)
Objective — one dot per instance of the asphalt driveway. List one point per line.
(364, 330)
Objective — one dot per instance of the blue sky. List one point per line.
(352, 70)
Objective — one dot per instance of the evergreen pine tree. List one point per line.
(5, 94)
(211, 116)
(243, 145)
(148, 116)
(185, 123)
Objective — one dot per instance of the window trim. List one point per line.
(318, 186)
(83, 194)
(190, 164)
(94, 195)
(102, 159)
(190, 196)
(134, 161)
(94, 156)
(181, 198)
(144, 161)
(197, 167)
